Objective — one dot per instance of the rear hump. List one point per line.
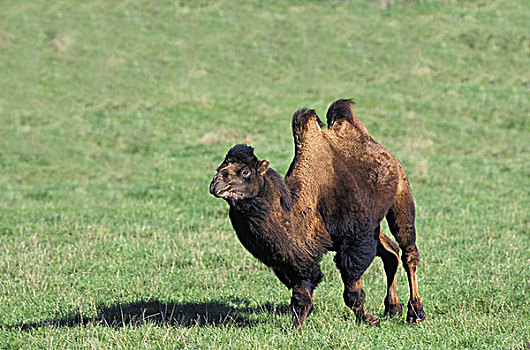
(342, 110)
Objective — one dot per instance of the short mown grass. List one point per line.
(115, 114)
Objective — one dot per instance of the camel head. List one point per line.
(240, 176)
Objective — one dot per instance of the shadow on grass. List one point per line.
(236, 313)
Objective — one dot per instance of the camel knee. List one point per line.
(411, 258)
(300, 300)
(354, 299)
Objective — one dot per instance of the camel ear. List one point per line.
(263, 165)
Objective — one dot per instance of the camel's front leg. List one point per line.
(301, 303)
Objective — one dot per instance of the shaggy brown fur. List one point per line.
(340, 185)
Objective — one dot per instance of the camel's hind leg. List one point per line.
(400, 220)
(389, 253)
(353, 258)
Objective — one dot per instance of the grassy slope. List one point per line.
(114, 115)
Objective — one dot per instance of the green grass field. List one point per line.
(115, 114)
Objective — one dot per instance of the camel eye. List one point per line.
(246, 172)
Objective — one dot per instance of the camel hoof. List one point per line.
(392, 310)
(415, 313)
(367, 319)
(372, 320)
